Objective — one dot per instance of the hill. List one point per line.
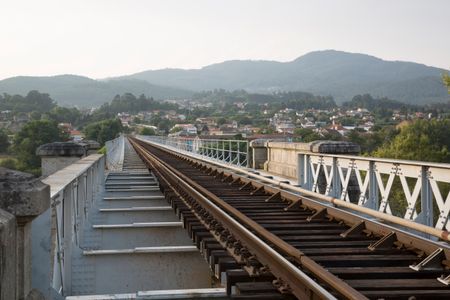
(72, 90)
(336, 73)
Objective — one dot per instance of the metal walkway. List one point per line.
(133, 241)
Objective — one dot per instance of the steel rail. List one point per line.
(300, 258)
(279, 265)
(442, 234)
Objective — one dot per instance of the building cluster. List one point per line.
(284, 122)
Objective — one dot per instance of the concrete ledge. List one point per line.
(329, 147)
(184, 294)
(133, 189)
(126, 209)
(143, 250)
(334, 147)
(211, 293)
(62, 149)
(284, 169)
(134, 198)
(140, 225)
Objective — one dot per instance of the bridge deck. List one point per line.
(134, 241)
(243, 222)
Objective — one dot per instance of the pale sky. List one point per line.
(102, 38)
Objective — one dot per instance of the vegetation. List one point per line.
(79, 91)
(129, 103)
(424, 140)
(338, 73)
(9, 163)
(29, 138)
(103, 131)
(374, 104)
(33, 101)
(446, 79)
(147, 131)
(280, 100)
(4, 141)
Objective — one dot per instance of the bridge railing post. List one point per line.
(426, 198)
(22, 198)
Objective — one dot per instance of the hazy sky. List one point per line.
(101, 38)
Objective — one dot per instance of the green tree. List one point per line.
(148, 131)
(9, 163)
(4, 142)
(103, 131)
(422, 140)
(176, 129)
(446, 79)
(307, 135)
(65, 115)
(30, 137)
(221, 121)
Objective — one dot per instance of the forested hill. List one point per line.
(71, 90)
(339, 74)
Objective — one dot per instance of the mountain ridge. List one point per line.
(341, 71)
(325, 72)
(81, 91)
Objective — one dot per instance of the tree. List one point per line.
(221, 121)
(307, 135)
(4, 141)
(176, 129)
(446, 79)
(30, 137)
(103, 131)
(422, 140)
(148, 131)
(65, 115)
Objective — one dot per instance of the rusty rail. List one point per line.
(281, 267)
(357, 224)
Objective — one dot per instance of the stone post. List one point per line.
(58, 155)
(23, 197)
(259, 153)
(92, 146)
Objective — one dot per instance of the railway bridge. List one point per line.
(182, 218)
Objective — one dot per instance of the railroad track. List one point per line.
(274, 244)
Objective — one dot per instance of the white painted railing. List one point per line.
(413, 190)
(234, 152)
(417, 191)
(73, 191)
(115, 150)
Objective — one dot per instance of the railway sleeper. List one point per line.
(218, 258)
(354, 253)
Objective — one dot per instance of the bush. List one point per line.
(9, 163)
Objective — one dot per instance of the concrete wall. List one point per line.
(51, 164)
(22, 198)
(282, 157)
(8, 260)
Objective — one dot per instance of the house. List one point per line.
(76, 135)
(186, 129)
(339, 128)
(285, 127)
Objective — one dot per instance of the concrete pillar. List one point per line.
(58, 155)
(92, 146)
(24, 197)
(259, 153)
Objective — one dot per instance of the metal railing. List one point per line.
(72, 191)
(115, 150)
(417, 191)
(235, 152)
